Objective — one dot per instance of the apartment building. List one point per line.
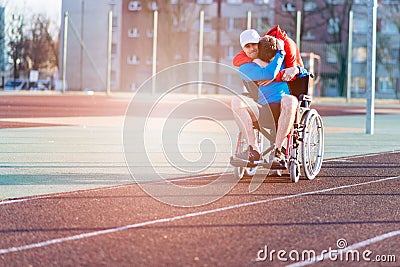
(87, 43)
(132, 43)
(2, 40)
(324, 31)
(178, 34)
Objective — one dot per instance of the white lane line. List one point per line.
(171, 219)
(352, 247)
(361, 156)
(106, 188)
(177, 179)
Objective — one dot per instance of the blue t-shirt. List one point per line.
(274, 91)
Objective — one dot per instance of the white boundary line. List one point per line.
(179, 217)
(104, 188)
(173, 180)
(352, 247)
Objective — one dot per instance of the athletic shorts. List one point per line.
(269, 115)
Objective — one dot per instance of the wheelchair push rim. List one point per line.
(312, 144)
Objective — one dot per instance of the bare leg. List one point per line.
(286, 118)
(244, 117)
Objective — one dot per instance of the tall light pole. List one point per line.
(371, 67)
(81, 50)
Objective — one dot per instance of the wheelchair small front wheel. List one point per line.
(240, 172)
(294, 171)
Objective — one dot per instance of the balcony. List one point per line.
(134, 6)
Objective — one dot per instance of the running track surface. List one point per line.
(354, 199)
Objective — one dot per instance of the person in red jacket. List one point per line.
(292, 58)
(273, 100)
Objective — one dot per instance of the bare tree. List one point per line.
(388, 44)
(16, 44)
(335, 14)
(176, 21)
(286, 11)
(2, 38)
(42, 51)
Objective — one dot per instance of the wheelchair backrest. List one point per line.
(299, 86)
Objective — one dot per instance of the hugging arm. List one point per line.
(253, 72)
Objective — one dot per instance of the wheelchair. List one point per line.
(304, 145)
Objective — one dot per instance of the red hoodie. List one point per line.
(292, 57)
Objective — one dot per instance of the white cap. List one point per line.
(249, 36)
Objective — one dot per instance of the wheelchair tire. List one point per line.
(312, 148)
(238, 173)
(294, 171)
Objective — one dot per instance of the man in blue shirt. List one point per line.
(273, 97)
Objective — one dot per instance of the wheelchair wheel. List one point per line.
(294, 171)
(313, 144)
(264, 144)
(240, 172)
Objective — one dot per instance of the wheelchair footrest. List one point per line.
(278, 166)
(236, 162)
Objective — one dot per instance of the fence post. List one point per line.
(349, 56)
(371, 65)
(154, 63)
(64, 61)
(298, 29)
(249, 19)
(201, 32)
(109, 45)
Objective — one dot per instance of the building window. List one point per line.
(207, 25)
(310, 6)
(261, 2)
(204, 2)
(391, 2)
(389, 55)
(114, 49)
(134, 6)
(230, 52)
(235, 24)
(260, 23)
(289, 7)
(308, 36)
(234, 2)
(208, 52)
(133, 60)
(149, 33)
(360, 84)
(335, 2)
(178, 56)
(331, 54)
(133, 86)
(115, 22)
(152, 5)
(389, 27)
(385, 85)
(360, 54)
(133, 33)
(333, 25)
(360, 25)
